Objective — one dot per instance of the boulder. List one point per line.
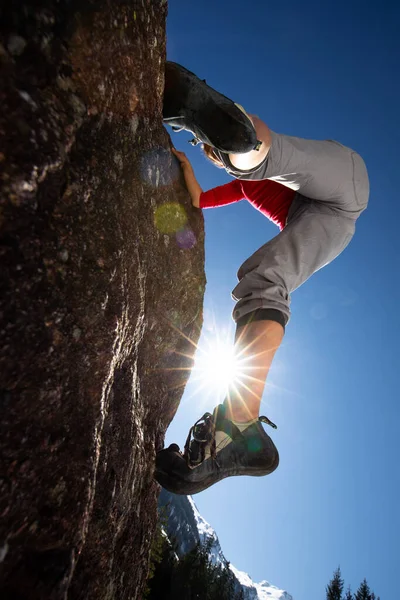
(102, 279)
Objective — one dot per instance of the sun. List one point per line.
(217, 366)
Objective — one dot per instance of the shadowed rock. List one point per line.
(102, 279)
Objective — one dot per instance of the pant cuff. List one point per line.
(263, 314)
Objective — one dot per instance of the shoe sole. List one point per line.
(209, 114)
(190, 488)
(179, 485)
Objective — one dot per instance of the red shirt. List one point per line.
(269, 197)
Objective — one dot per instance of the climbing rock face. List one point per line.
(102, 279)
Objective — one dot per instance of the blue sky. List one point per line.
(317, 70)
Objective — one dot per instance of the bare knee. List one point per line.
(252, 159)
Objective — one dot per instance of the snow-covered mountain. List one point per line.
(187, 527)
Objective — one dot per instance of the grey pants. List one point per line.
(317, 231)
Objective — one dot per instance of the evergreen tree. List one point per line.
(191, 577)
(195, 577)
(163, 562)
(349, 595)
(334, 590)
(162, 559)
(363, 592)
(335, 587)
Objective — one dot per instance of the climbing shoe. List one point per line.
(216, 449)
(191, 104)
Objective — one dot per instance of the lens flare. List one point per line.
(217, 365)
(170, 217)
(185, 238)
(219, 369)
(159, 167)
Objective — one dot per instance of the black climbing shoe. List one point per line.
(189, 103)
(251, 452)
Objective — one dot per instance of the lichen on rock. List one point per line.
(102, 276)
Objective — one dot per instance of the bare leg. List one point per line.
(256, 342)
(207, 460)
(251, 159)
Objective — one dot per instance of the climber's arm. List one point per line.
(192, 184)
(222, 195)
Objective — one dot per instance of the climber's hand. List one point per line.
(192, 184)
(183, 159)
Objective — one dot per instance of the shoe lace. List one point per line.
(203, 433)
(176, 128)
(267, 422)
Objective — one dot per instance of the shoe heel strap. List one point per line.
(267, 422)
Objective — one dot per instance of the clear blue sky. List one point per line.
(317, 70)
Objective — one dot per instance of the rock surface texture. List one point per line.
(102, 282)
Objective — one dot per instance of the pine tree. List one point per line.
(162, 559)
(349, 595)
(191, 577)
(161, 571)
(196, 578)
(335, 587)
(363, 592)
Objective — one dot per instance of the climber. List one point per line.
(314, 191)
